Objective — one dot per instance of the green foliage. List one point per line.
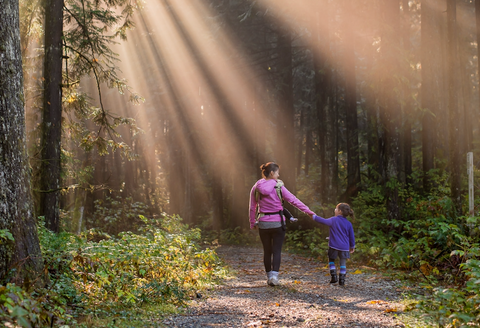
(5, 235)
(114, 215)
(312, 241)
(92, 28)
(434, 246)
(19, 309)
(162, 265)
(235, 236)
(457, 306)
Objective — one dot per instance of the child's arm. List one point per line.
(321, 220)
(351, 236)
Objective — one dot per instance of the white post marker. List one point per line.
(471, 210)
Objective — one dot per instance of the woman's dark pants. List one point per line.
(272, 240)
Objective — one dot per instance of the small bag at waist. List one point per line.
(259, 215)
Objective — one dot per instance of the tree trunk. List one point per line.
(392, 110)
(453, 105)
(327, 134)
(217, 194)
(353, 159)
(427, 91)
(52, 115)
(16, 204)
(300, 145)
(477, 22)
(285, 148)
(308, 150)
(408, 108)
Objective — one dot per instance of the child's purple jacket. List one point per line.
(342, 237)
(269, 201)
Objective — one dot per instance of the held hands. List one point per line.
(311, 215)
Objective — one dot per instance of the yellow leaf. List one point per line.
(297, 282)
(390, 310)
(376, 302)
(357, 272)
(277, 304)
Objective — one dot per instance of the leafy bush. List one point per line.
(313, 241)
(162, 265)
(18, 308)
(457, 306)
(114, 215)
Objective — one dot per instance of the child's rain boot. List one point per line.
(334, 277)
(342, 279)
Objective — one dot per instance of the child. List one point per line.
(341, 241)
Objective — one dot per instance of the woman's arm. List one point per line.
(289, 197)
(252, 207)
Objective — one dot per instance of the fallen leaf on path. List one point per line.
(297, 282)
(390, 310)
(377, 302)
(357, 272)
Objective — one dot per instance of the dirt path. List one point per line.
(304, 299)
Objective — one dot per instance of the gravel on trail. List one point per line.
(305, 297)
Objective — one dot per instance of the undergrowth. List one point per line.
(95, 276)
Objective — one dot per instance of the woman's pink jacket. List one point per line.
(269, 201)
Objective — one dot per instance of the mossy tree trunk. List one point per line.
(16, 204)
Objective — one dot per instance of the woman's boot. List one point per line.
(342, 279)
(334, 277)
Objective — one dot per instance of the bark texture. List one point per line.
(353, 159)
(16, 204)
(52, 115)
(453, 107)
(391, 118)
(427, 102)
(285, 148)
(327, 127)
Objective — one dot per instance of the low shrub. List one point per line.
(162, 264)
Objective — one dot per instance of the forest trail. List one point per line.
(304, 299)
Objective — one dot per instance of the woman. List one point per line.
(268, 217)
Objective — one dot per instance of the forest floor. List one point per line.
(305, 297)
